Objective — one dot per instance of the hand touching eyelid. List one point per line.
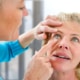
(53, 45)
(52, 42)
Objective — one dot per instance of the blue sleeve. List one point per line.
(10, 49)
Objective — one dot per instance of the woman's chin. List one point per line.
(60, 68)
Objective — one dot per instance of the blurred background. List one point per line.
(38, 10)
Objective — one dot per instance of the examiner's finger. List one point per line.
(41, 36)
(51, 17)
(52, 23)
(48, 29)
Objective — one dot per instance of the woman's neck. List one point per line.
(70, 75)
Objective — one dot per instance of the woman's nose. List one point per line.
(25, 12)
(63, 47)
(64, 44)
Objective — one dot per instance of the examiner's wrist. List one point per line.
(26, 38)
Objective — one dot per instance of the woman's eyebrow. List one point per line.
(60, 31)
(75, 35)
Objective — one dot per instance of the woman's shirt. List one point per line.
(10, 49)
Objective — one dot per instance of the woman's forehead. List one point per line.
(13, 1)
(19, 1)
(70, 27)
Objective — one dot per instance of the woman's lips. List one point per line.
(62, 55)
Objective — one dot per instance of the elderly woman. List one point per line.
(59, 58)
(11, 14)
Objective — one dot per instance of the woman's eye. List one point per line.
(75, 39)
(57, 36)
(21, 8)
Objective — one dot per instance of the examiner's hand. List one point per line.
(40, 67)
(39, 32)
(46, 26)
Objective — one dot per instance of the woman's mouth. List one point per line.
(61, 57)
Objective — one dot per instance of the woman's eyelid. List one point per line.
(23, 7)
(55, 33)
(76, 37)
(57, 36)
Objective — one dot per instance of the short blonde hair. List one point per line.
(67, 17)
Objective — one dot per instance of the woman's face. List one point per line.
(66, 51)
(11, 14)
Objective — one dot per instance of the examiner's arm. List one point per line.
(10, 49)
